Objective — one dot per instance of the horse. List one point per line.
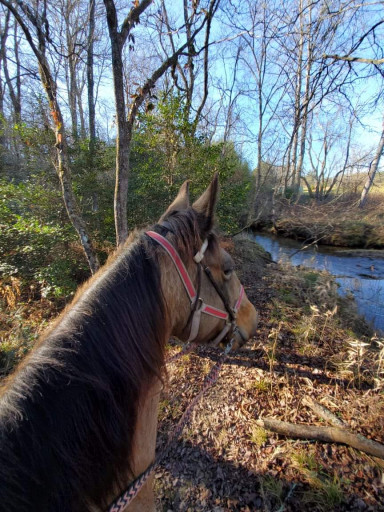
(78, 418)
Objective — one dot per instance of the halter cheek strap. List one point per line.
(197, 304)
(200, 254)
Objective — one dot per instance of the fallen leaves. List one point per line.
(221, 463)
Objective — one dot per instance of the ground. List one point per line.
(306, 345)
(309, 343)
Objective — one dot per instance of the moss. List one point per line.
(311, 278)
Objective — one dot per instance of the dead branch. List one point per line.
(348, 58)
(325, 434)
(324, 413)
(327, 415)
(307, 246)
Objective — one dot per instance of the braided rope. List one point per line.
(186, 350)
(127, 496)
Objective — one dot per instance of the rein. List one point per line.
(198, 307)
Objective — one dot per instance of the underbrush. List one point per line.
(31, 294)
(339, 223)
(23, 316)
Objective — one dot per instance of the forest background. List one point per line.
(107, 107)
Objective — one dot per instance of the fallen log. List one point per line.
(328, 416)
(325, 434)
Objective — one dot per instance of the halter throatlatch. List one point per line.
(198, 305)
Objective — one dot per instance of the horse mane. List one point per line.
(68, 413)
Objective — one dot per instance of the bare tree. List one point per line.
(372, 170)
(39, 23)
(257, 59)
(124, 122)
(184, 74)
(370, 43)
(13, 83)
(328, 164)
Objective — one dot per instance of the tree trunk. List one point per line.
(90, 78)
(91, 99)
(372, 171)
(83, 131)
(123, 136)
(63, 169)
(124, 125)
(305, 103)
(72, 97)
(3, 38)
(14, 92)
(122, 143)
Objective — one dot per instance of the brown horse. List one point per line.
(78, 418)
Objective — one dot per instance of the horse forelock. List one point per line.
(186, 226)
(67, 415)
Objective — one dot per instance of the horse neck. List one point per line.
(85, 382)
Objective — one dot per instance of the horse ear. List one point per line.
(181, 201)
(206, 204)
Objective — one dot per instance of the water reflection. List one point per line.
(360, 274)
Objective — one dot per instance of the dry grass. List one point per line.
(22, 319)
(339, 222)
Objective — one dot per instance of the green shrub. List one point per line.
(35, 243)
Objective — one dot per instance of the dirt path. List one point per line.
(224, 461)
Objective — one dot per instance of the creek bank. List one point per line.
(350, 235)
(339, 224)
(359, 274)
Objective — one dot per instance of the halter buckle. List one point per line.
(197, 304)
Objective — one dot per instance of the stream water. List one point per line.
(356, 271)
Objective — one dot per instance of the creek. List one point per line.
(357, 271)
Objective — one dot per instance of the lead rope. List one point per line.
(186, 350)
(127, 496)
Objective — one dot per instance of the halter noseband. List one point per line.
(198, 306)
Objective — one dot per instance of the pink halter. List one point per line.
(200, 308)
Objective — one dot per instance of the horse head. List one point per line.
(212, 306)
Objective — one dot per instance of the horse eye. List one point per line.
(228, 273)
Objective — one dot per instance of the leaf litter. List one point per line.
(222, 462)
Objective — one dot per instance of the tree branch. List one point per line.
(325, 434)
(132, 18)
(324, 413)
(150, 83)
(376, 62)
